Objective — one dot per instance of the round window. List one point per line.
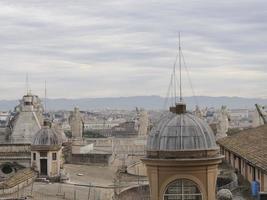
(7, 169)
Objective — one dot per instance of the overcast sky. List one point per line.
(98, 48)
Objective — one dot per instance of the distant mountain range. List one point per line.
(147, 102)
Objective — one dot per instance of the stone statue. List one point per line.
(223, 123)
(197, 112)
(76, 124)
(224, 194)
(143, 123)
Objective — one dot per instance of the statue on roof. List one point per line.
(223, 119)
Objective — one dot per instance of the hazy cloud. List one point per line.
(126, 48)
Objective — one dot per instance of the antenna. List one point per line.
(174, 81)
(178, 83)
(180, 67)
(27, 83)
(45, 98)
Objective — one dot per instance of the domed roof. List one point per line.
(181, 131)
(46, 137)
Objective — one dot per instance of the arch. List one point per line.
(182, 189)
(7, 168)
(188, 177)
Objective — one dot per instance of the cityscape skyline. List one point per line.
(114, 48)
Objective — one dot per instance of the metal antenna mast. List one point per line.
(27, 83)
(174, 81)
(45, 98)
(180, 68)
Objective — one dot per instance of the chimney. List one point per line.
(179, 108)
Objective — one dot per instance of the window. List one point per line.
(34, 156)
(43, 154)
(182, 189)
(54, 156)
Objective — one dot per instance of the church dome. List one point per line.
(47, 137)
(180, 131)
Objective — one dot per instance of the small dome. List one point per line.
(46, 137)
(182, 131)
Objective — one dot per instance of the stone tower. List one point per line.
(182, 158)
(76, 124)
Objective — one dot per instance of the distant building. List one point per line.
(246, 151)
(126, 129)
(182, 158)
(101, 124)
(4, 118)
(239, 113)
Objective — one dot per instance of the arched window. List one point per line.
(182, 189)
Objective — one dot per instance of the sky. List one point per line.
(117, 48)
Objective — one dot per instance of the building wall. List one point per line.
(204, 175)
(91, 159)
(16, 148)
(135, 193)
(264, 182)
(19, 153)
(99, 126)
(248, 171)
(53, 166)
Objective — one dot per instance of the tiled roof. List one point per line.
(249, 144)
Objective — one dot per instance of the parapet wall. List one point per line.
(9, 147)
(91, 159)
(16, 153)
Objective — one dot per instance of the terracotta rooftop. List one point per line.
(249, 144)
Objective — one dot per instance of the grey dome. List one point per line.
(183, 131)
(46, 137)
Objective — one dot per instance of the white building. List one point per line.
(4, 118)
(100, 124)
(237, 114)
